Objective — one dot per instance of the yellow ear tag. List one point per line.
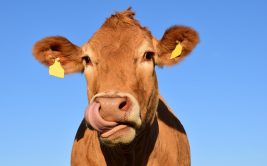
(177, 51)
(56, 69)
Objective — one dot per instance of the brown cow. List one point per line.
(126, 122)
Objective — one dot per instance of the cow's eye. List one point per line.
(86, 59)
(149, 55)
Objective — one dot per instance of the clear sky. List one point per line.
(219, 92)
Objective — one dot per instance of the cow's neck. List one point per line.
(140, 149)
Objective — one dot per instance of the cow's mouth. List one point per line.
(122, 130)
(120, 134)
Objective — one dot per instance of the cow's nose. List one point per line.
(113, 108)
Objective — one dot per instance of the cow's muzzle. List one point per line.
(115, 116)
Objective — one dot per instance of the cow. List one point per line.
(126, 121)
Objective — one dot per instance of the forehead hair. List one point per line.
(124, 20)
(120, 29)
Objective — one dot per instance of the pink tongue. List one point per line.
(96, 121)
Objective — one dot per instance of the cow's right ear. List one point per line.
(48, 49)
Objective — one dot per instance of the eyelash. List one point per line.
(149, 55)
(87, 60)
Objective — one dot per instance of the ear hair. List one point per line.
(48, 49)
(185, 35)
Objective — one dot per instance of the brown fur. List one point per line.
(186, 36)
(50, 48)
(118, 64)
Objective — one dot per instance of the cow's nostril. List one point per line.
(122, 105)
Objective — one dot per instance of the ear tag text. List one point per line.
(177, 51)
(56, 69)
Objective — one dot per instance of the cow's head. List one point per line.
(119, 65)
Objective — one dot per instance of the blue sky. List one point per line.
(219, 92)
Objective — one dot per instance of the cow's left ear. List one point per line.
(188, 39)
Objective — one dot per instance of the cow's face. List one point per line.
(118, 63)
(121, 81)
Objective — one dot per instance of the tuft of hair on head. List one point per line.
(125, 17)
(126, 13)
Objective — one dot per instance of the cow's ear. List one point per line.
(185, 36)
(48, 49)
